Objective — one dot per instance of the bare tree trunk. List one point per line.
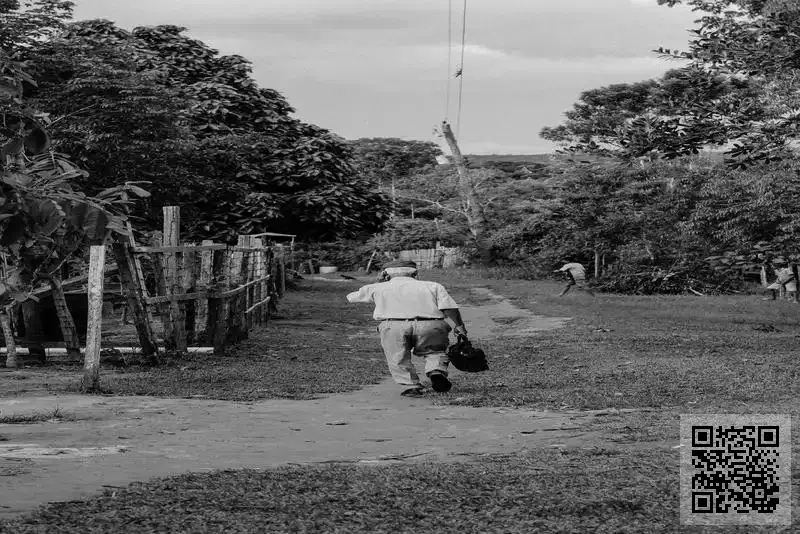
(469, 198)
(68, 329)
(596, 263)
(796, 283)
(8, 334)
(394, 198)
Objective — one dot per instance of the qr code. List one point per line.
(735, 469)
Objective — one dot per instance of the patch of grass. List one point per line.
(39, 417)
(17, 376)
(692, 353)
(14, 467)
(580, 490)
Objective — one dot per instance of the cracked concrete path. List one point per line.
(113, 441)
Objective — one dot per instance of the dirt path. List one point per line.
(501, 318)
(114, 441)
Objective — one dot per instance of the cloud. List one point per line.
(492, 147)
(379, 68)
(405, 65)
(490, 61)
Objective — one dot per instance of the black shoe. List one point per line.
(439, 382)
(412, 392)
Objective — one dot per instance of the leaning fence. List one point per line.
(175, 297)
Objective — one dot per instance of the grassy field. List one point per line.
(679, 354)
(663, 355)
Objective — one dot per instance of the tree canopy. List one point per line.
(155, 105)
(737, 92)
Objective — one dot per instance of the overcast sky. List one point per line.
(378, 68)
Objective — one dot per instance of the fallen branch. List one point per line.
(696, 292)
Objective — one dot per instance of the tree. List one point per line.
(737, 92)
(43, 221)
(24, 24)
(596, 214)
(752, 41)
(234, 159)
(750, 216)
(121, 124)
(389, 160)
(650, 119)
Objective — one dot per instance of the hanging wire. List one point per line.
(449, 57)
(461, 69)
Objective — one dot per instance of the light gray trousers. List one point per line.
(429, 339)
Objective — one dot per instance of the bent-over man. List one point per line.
(577, 277)
(785, 283)
(412, 318)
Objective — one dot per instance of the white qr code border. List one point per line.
(783, 512)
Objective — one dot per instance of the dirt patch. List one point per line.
(136, 438)
(498, 317)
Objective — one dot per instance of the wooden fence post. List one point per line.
(201, 310)
(218, 307)
(8, 335)
(272, 287)
(161, 290)
(258, 274)
(189, 283)
(133, 287)
(238, 278)
(281, 270)
(247, 299)
(68, 330)
(266, 288)
(172, 260)
(91, 365)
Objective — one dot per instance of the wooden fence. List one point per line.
(211, 294)
(181, 297)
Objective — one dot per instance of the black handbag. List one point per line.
(465, 357)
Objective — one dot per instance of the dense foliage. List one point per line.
(155, 105)
(672, 216)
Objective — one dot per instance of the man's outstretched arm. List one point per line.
(454, 314)
(364, 294)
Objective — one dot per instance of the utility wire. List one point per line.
(449, 57)
(461, 68)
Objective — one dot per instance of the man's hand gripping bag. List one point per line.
(465, 357)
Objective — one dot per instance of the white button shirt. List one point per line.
(404, 297)
(577, 270)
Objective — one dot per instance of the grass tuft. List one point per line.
(39, 417)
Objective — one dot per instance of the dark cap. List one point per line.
(400, 263)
